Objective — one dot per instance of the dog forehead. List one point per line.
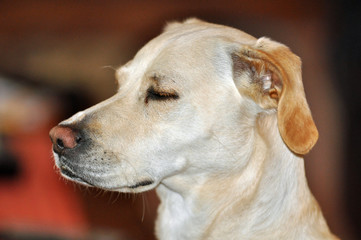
(190, 36)
(185, 50)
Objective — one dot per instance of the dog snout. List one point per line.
(64, 137)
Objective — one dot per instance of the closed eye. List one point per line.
(156, 95)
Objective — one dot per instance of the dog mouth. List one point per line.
(141, 184)
(69, 174)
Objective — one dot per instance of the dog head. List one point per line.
(189, 97)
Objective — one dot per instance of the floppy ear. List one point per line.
(276, 82)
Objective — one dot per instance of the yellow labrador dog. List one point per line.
(214, 119)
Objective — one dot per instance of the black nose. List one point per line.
(64, 137)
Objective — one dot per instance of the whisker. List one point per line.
(109, 67)
(143, 205)
(117, 197)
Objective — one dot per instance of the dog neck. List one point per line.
(269, 194)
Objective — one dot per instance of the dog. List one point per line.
(217, 122)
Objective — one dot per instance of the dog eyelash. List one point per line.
(152, 94)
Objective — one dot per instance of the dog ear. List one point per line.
(276, 82)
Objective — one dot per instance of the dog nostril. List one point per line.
(60, 143)
(78, 139)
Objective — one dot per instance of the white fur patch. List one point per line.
(75, 118)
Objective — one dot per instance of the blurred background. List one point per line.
(58, 57)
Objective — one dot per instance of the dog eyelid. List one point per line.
(157, 95)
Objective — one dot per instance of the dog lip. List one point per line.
(70, 174)
(66, 171)
(141, 184)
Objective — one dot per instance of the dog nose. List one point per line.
(64, 137)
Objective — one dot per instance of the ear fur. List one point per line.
(277, 83)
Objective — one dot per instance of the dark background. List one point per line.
(58, 57)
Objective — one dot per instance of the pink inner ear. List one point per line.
(266, 82)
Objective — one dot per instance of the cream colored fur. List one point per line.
(225, 155)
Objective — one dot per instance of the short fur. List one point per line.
(217, 122)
